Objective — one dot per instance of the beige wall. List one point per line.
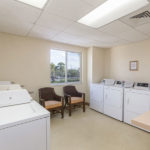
(117, 62)
(95, 66)
(98, 64)
(26, 61)
(96, 57)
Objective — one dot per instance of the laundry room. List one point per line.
(74, 80)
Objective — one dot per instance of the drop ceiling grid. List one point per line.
(58, 22)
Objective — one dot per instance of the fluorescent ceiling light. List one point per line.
(36, 3)
(111, 10)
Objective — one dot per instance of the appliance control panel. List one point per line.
(119, 83)
(142, 86)
(128, 84)
(109, 81)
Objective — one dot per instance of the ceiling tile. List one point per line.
(72, 9)
(135, 22)
(15, 28)
(115, 28)
(67, 37)
(80, 29)
(101, 44)
(14, 11)
(95, 3)
(103, 37)
(144, 28)
(132, 36)
(52, 21)
(82, 41)
(41, 32)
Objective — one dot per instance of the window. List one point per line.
(65, 66)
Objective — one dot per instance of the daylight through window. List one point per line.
(65, 66)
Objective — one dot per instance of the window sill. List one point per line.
(63, 84)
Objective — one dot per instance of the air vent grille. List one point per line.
(145, 14)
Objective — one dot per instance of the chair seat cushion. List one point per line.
(52, 104)
(75, 100)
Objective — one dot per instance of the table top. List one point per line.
(142, 121)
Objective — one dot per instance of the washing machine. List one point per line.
(24, 124)
(113, 100)
(136, 101)
(97, 94)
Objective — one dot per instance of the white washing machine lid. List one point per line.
(5, 82)
(10, 86)
(18, 114)
(14, 97)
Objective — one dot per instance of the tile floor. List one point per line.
(94, 131)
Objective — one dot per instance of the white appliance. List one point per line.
(25, 126)
(10, 86)
(113, 100)
(128, 84)
(96, 97)
(5, 82)
(109, 81)
(97, 94)
(136, 101)
(142, 86)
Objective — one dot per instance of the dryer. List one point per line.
(136, 101)
(113, 100)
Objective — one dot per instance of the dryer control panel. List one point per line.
(142, 86)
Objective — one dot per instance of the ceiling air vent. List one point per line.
(145, 14)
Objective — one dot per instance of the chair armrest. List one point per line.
(67, 98)
(80, 94)
(57, 97)
(42, 102)
(67, 95)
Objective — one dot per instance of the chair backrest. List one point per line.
(47, 93)
(70, 90)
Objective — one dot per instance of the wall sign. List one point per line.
(134, 65)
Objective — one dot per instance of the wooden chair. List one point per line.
(51, 101)
(73, 98)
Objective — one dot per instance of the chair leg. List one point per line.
(70, 109)
(83, 106)
(62, 112)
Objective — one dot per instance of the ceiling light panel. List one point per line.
(111, 10)
(36, 3)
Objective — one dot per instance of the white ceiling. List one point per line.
(58, 22)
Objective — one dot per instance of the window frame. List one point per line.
(66, 65)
